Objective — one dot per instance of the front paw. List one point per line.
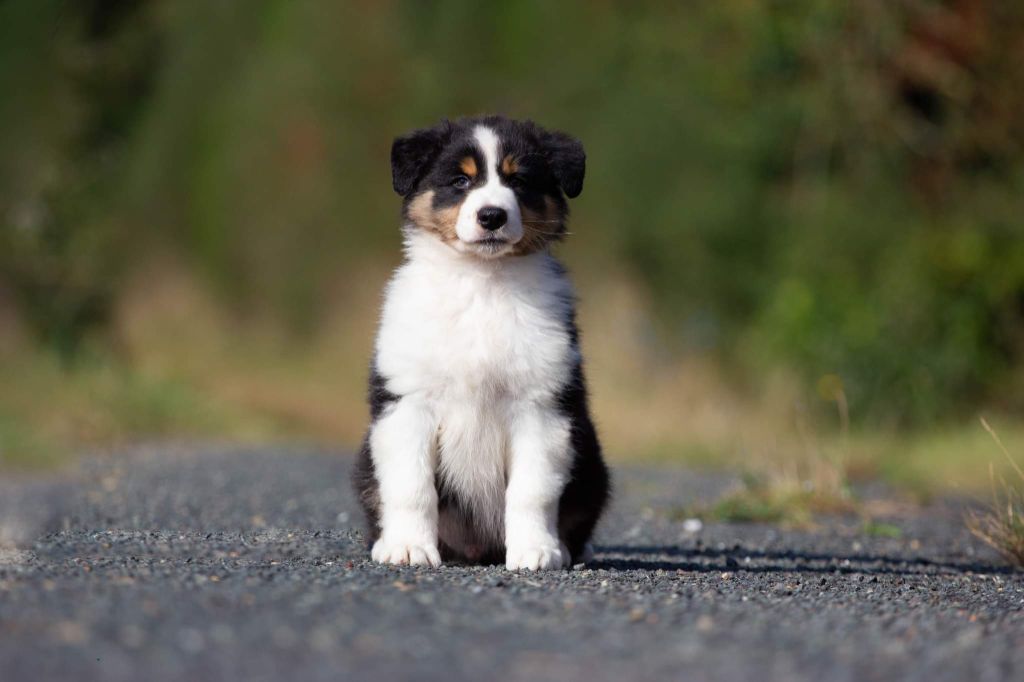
(406, 553)
(536, 557)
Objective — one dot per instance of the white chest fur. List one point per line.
(473, 341)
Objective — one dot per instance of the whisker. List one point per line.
(552, 234)
(549, 234)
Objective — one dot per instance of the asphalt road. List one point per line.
(236, 564)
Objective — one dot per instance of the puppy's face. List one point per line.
(491, 186)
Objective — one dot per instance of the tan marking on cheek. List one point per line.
(446, 219)
(420, 211)
(440, 221)
(509, 166)
(539, 227)
(468, 166)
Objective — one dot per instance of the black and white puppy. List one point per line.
(481, 448)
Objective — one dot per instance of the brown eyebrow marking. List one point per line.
(509, 165)
(468, 166)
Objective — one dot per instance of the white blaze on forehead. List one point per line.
(488, 143)
(491, 193)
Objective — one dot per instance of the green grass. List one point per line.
(881, 530)
(949, 458)
(784, 500)
(22, 448)
(188, 370)
(48, 412)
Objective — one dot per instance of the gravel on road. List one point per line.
(234, 563)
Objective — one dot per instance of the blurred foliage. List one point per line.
(835, 188)
(74, 83)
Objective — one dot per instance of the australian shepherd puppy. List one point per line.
(480, 447)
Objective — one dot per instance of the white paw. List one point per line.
(536, 557)
(406, 553)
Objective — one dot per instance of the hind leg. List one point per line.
(586, 493)
(364, 480)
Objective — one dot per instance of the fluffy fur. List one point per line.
(481, 446)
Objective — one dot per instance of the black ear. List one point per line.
(412, 153)
(567, 159)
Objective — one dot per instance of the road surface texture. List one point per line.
(247, 564)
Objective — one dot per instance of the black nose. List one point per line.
(491, 217)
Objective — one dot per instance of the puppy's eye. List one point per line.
(461, 182)
(516, 180)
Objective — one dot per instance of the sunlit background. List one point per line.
(800, 245)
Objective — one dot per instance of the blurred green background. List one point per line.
(802, 220)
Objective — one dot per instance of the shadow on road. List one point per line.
(672, 558)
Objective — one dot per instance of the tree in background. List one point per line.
(76, 77)
(834, 188)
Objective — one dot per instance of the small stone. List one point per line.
(693, 526)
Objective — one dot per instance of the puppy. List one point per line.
(480, 447)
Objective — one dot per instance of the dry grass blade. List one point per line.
(1001, 524)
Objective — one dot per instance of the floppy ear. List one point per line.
(412, 153)
(567, 160)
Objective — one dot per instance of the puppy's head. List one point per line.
(489, 186)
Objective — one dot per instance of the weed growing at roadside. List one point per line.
(1001, 524)
(799, 488)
